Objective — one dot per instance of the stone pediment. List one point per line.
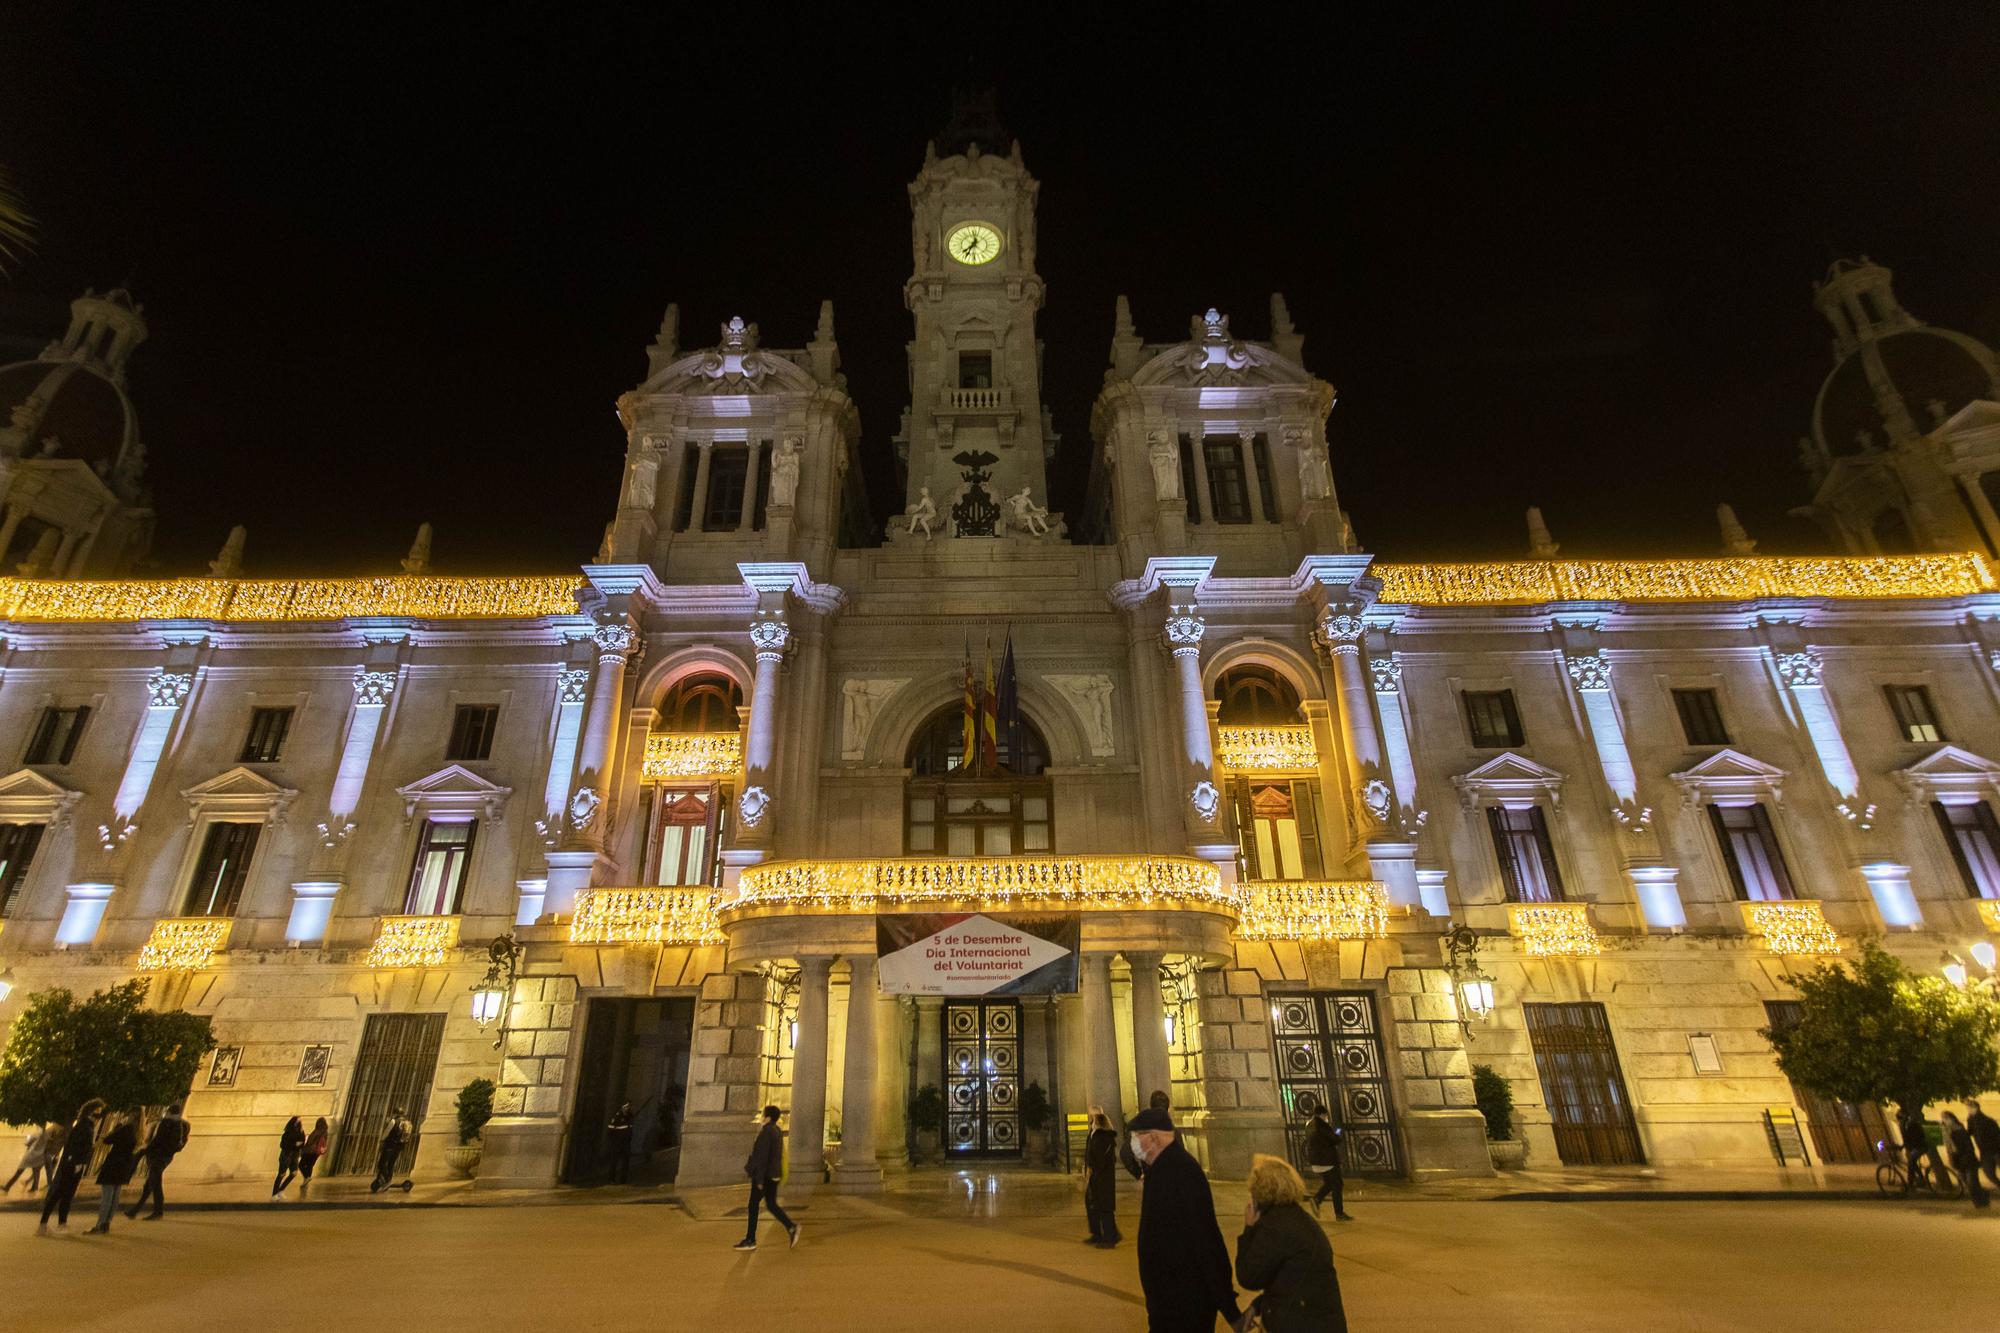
(1948, 772)
(1212, 357)
(735, 366)
(239, 791)
(1730, 774)
(1509, 779)
(454, 788)
(26, 797)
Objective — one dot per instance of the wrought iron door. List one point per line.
(1841, 1131)
(1588, 1104)
(397, 1061)
(1330, 1055)
(982, 1078)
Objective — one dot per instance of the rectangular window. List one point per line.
(1750, 850)
(1224, 460)
(56, 735)
(975, 370)
(1527, 856)
(684, 495)
(17, 851)
(1701, 717)
(472, 728)
(437, 881)
(1915, 718)
(1266, 495)
(1276, 830)
(728, 473)
(686, 835)
(1492, 720)
(225, 863)
(266, 738)
(1974, 838)
(1188, 489)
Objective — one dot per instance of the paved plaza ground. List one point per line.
(977, 1254)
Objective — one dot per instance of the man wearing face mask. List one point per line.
(1183, 1264)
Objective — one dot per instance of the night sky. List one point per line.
(399, 264)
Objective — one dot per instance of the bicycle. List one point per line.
(1933, 1176)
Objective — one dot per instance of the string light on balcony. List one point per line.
(1554, 930)
(645, 916)
(1076, 883)
(413, 941)
(1797, 929)
(693, 754)
(1266, 749)
(1313, 910)
(184, 944)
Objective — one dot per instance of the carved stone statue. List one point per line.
(640, 486)
(861, 699)
(785, 471)
(1166, 460)
(1315, 478)
(1090, 695)
(923, 513)
(1026, 515)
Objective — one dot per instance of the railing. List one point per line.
(645, 916)
(1068, 883)
(692, 754)
(1553, 930)
(184, 943)
(1288, 749)
(1794, 927)
(413, 941)
(1313, 910)
(975, 400)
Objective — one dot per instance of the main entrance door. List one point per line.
(1841, 1131)
(393, 1072)
(982, 1078)
(1585, 1091)
(1330, 1055)
(633, 1051)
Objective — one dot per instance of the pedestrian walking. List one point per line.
(618, 1143)
(78, 1147)
(1100, 1181)
(1917, 1144)
(290, 1140)
(309, 1155)
(1964, 1160)
(169, 1136)
(1323, 1156)
(766, 1165)
(1985, 1137)
(1284, 1256)
(1183, 1264)
(121, 1159)
(1159, 1101)
(387, 1152)
(34, 1157)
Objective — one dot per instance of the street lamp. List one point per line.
(1469, 980)
(491, 993)
(6, 984)
(1958, 974)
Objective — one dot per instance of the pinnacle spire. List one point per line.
(1735, 540)
(1540, 544)
(228, 562)
(418, 561)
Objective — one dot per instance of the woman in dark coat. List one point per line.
(290, 1140)
(77, 1148)
(1100, 1188)
(121, 1160)
(1284, 1255)
(309, 1155)
(1964, 1160)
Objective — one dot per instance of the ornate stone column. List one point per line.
(1253, 492)
(572, 689)
(1149, 1025)
(1392, 858)
(859, 1172)
(808, 1131)
(1182, 636)
(770, 639)
(700, 485)
(1100, 1036)
(1653, 883)
(570, 868)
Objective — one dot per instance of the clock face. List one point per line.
(973, 243)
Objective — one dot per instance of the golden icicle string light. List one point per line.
(1313, 910)
(693, 754)
(184, 944)
(1554, 930)
(1266, 749)
(1732, 580)
(420, 597)
(645, 916)
(1075, 883)
(413, 941)
(1797, 929)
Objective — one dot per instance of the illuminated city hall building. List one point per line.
(1332, 829)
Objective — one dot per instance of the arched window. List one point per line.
(949, 811)
(939, 748)
(1255, 696)
(707, 702)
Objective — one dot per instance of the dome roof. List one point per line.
(87, 414)
(1933, 371)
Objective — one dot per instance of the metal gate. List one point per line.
(1578, 1064)
(1841, 1131)
(1330, 1055)
(982, 1078)
(398, 1059)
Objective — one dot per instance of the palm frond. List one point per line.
(17, 225)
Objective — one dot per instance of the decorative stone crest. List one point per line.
(332, 835)
(1206, 800)
(373, 688)
(754, 805)
(1388, 674)
(168, 689)
(770, 639)
(1376, 798)
(114, 835)
(572, 684)
(1340, 632)
(1590, 671)
(614, 640)
(583, 808)
(1183, 630)
(1800, 670)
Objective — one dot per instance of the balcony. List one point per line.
(673, 756)
(1266, 749)
(1313, 910)
(646, 916)
(1553, 930)
(413, 941)
(185, 943)
(976, 400)
(1796, 928)
(1058, 883)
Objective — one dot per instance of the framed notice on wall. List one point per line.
(960, 953)
(222, 1068)
(1707, 1056)
(312, 1066)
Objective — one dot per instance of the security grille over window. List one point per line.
(982, 1077)
(393, 1072)
(1589, 1109)
(1329, 1049)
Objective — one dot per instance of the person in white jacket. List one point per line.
(34, 1158)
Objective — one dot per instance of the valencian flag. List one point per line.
(1009, 706)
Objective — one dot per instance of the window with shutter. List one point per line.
(1974, 838)
(1750, 851)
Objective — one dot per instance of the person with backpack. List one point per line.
(79, 1146)
(169, 1136)
(1323, 1156)
(766, 1164)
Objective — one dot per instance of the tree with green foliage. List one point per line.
(475, 1108)
(1874, 1031)
(61, 1053)
(1495, 1098)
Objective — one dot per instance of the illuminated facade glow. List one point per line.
(1796, 928)
(1738, 579)
(416, 597)
(1266, 749)
(1989, 914)
(693, 754)
(1075, 883)
(1553, 930)
(645, 916)
(413, 941)
(184, 944)
(1313, 910)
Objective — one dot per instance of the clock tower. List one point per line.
(975, 432)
